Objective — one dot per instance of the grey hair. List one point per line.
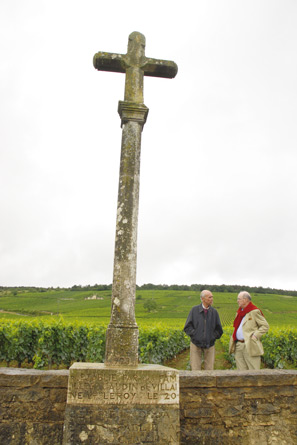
(204, 293)
(245, 294)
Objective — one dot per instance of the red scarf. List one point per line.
(242, 313)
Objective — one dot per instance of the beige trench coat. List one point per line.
(254, 323)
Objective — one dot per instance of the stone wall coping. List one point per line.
(22, 377)
(24, 371)
(188, 379)
(81, 366)
(228, 378)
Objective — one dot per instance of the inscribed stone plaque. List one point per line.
(148, 384)
(107, 405)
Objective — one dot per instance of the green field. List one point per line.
(172, 307)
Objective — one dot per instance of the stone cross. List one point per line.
(122, 332)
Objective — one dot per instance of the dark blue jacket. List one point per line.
(204, 329)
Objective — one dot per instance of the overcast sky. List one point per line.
(218, 183)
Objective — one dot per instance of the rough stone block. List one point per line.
(12, 433)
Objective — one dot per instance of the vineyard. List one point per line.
(59, 344)
(54, 328)
(51, 345)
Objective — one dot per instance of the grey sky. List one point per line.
(219, 149)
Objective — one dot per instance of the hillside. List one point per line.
(172, 306)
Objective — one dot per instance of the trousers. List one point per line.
(244, 360)
(198, 354)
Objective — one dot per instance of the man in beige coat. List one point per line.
(249, 326)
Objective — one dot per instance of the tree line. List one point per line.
(232, 288)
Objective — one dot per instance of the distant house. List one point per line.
(94, 297)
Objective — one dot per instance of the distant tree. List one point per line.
(150, 305)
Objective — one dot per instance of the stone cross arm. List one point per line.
(119, 63)
(135, 65)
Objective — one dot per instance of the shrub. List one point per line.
(150, 305)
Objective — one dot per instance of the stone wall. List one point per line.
(216, 407)
(238, 407)
(32, 406)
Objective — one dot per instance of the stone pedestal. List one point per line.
(107, 405)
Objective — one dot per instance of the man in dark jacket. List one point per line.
(204, 327)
